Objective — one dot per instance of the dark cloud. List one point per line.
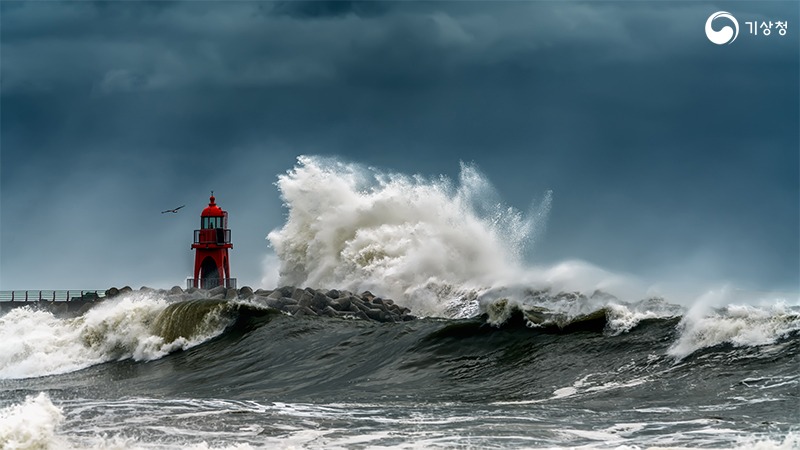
(335, 8)
(662, 149)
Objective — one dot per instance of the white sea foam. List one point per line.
(789, 442)
(37, 343)
(452, 249)
(37, 424)
(158, 424)
(739, 325)
(31, 424)
(438, 246)
(407, 237)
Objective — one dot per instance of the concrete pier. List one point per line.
(62, 302)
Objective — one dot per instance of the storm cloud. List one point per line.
(669, 157)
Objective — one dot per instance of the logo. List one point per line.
(726, 34)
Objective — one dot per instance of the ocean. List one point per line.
(501, 354)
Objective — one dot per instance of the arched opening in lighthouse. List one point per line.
(209, 274)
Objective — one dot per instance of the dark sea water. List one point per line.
(249, 377)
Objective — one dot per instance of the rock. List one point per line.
(85, 308)
(176, 290)
(375, 314)
(219, 290)
(112, 292)
(272, 303)
(320, 301)
(298, 294)
(330, 312)
(342, 303)
(308, 302)
(377, 301)
(288, 301)
(125, 290)
(304, 311)
(286, 291)
(304, 298)
(361, 306)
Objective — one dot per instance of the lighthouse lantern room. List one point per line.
(211, 244)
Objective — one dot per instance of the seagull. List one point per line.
(174, 211)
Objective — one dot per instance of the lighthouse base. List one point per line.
(210, 283)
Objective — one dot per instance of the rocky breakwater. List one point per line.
(293, 300)
(288, 299)
(331, 303)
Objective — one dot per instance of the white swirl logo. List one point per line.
(726, 35)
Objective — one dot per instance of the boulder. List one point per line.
(176, 290)
(304, 298)
(376, 314)
(304, 311)
(219, 290)
(320, 301)
(330, 312)
(298, 294)
(342, 303)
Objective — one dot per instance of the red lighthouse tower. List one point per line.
(211, 242)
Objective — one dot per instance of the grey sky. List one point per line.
(669, 157)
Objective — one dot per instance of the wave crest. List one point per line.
(737, 325)
(408, 237)
(143, 326)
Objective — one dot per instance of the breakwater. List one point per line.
(289, 299)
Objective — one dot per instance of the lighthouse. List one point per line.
(211, 244)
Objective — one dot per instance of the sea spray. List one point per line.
(31, 424)
(737, 325)
(37, 424)
(442, 248)
(403, 236)
(38, 343)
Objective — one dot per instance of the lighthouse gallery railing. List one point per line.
(221, 236)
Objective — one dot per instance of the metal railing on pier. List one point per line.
(51, 296)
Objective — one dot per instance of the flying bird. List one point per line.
(174, 211)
